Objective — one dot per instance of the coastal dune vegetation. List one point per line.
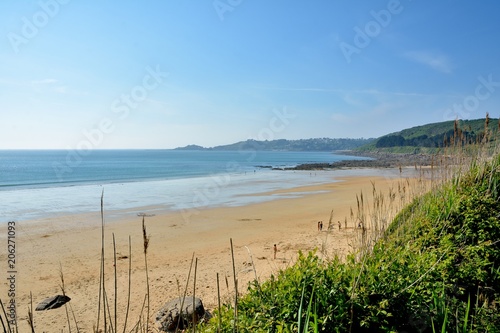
(437, 268)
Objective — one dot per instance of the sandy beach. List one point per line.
(46, 247)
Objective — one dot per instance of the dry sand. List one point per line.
(46, 246)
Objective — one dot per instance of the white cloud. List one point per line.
(434, 60)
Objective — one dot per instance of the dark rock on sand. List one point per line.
(53, 302)
(169, 316)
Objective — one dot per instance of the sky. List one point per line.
(162, 74)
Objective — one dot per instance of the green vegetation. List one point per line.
(435, 268)
(428, 138)
(319, 144)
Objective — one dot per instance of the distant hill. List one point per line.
(430, 137)
(191, 147)
(318, 144)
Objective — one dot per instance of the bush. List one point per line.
(436, 268)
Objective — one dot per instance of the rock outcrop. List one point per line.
(170, 316)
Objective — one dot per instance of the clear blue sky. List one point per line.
(93, 74)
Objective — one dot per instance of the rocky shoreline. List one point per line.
(378, 160)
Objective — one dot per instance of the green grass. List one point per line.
(435, 269)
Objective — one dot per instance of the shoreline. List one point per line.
(289, 222)
(158, 197)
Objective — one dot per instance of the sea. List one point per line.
(38, 184)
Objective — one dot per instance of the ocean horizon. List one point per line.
(37, 184)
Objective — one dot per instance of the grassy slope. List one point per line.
(432, 130)
(476, 125)
(438, 265)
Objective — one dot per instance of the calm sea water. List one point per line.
(38, 184)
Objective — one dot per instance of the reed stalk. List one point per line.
(101, 274)
(115, 284)
(235, 289)
(145, 239)
(194, 294)
(219, 314)
(185, 292)
(129, 283)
